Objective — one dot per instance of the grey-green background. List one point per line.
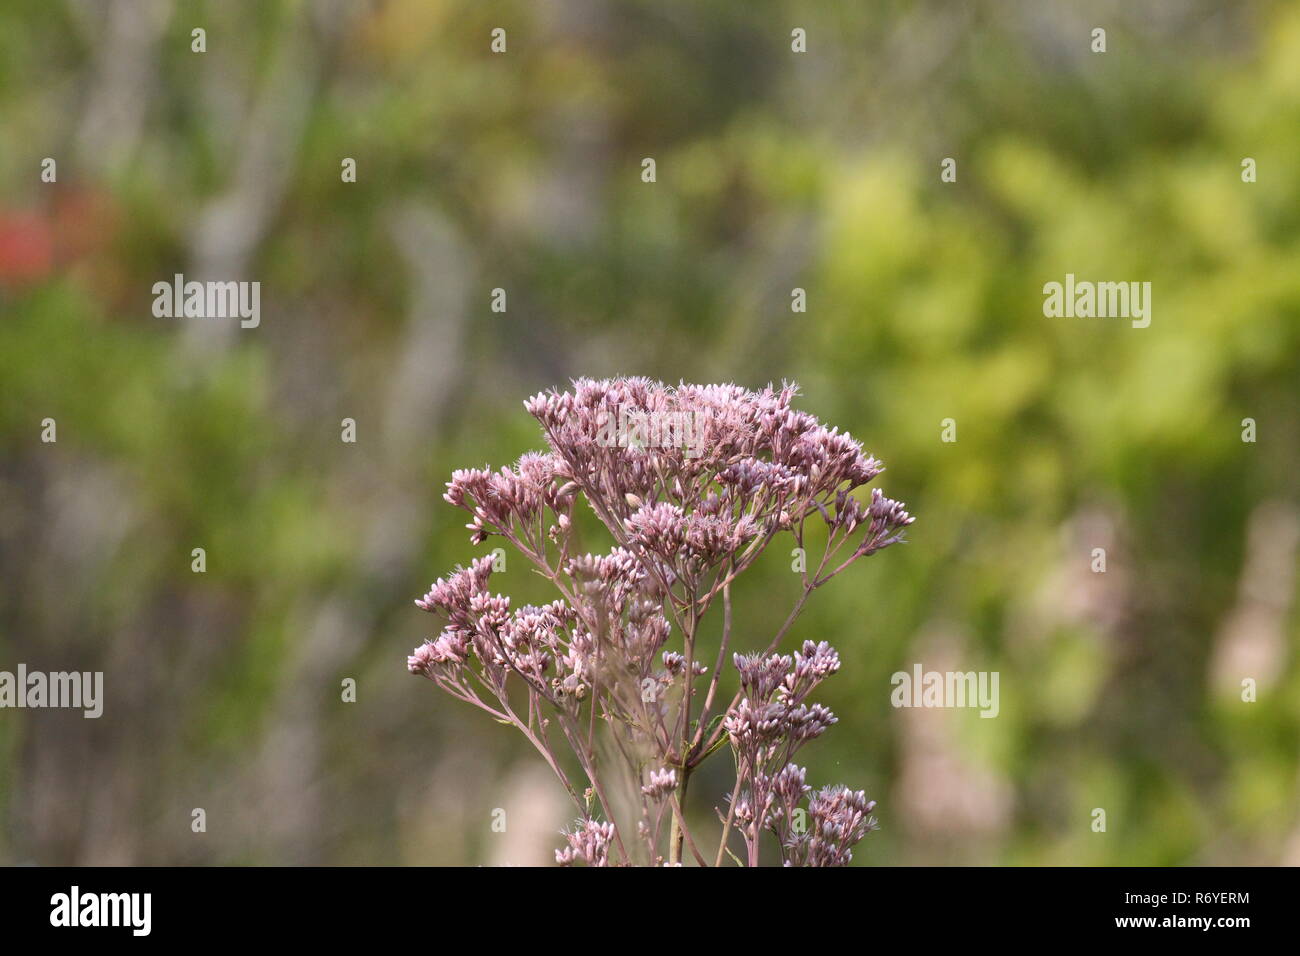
(776, 170)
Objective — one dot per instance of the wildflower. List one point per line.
(712, 475)
(662, 782)
(589, 843)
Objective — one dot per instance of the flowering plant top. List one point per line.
(623, 669)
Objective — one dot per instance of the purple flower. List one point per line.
(662, 782)
(691, 484)
(589, 843)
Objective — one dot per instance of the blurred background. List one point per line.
(1120, 690)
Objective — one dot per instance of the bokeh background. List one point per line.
(521, 171)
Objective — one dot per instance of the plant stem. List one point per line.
(678, 831)
(684, 832)
(731, 815)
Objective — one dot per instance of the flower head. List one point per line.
(691, 483)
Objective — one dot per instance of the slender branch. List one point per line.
(725, 642)
(690, 842)
(731, 815)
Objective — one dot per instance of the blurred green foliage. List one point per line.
(521, 171)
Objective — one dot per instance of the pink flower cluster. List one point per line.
(728, 470)
(589, 843)
(766, 729)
